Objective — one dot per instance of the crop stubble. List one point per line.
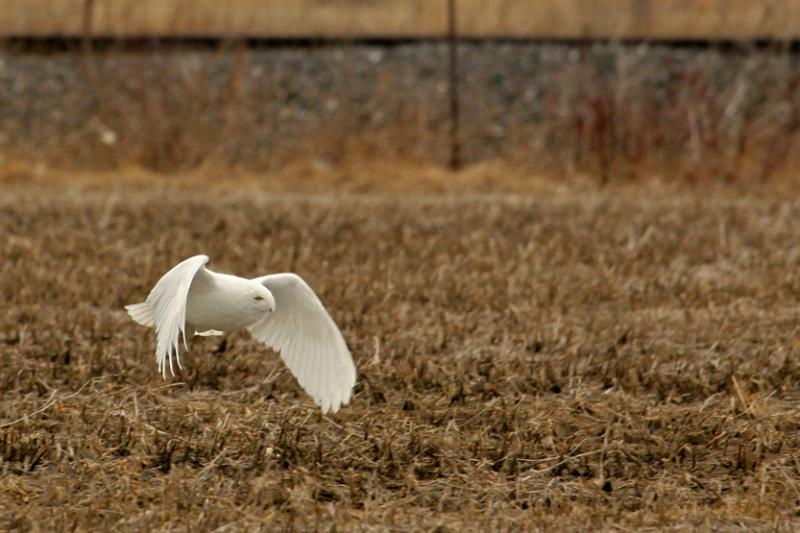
(552, 361)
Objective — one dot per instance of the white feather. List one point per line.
(168, 303)
(308, 340)
(209, 333)
(142, 314)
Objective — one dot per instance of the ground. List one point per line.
(597, 358)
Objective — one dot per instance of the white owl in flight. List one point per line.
(279, 310)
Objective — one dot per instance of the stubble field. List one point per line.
(593, 360)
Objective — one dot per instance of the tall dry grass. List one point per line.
(611, 111)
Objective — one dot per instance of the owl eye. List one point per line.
(259, 298)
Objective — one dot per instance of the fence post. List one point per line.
(455, 146)
(86, 50)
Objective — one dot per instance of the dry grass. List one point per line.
(614, 112)
(234, 18)
(589, 361)
(726, 19)
(653, 19)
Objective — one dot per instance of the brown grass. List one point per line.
(598, 360)
(614, 112)
(720, 19)
(234, 18)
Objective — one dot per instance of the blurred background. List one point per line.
(687, 90)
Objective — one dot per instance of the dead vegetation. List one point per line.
(564, 362)
(615, 112)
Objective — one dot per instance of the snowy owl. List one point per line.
(279, 310)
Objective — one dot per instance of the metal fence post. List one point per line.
(455, 146)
